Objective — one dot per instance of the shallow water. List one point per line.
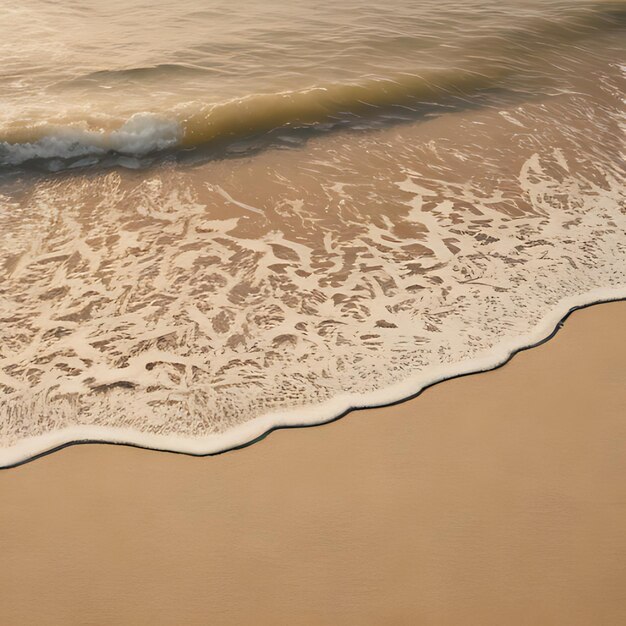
(236, 217)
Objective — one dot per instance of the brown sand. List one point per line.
(498, 499)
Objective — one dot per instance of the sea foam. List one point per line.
(141, 134)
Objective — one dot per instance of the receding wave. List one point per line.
(487, 63)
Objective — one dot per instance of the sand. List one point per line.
(497, 498)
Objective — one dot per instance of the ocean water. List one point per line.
(217, 218)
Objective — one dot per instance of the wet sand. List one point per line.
(497, 498)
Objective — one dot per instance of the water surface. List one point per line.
(215, 219)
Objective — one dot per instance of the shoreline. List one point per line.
(32, 449)
(494, 499)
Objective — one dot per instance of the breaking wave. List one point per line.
(190, 125)
(141, 134)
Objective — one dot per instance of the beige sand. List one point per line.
(498, 498)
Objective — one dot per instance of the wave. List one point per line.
(161, 70)
(249, 433)
(489, 61)
(152, 309)
(146, 132)
(141, 134)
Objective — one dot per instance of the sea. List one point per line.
(221, 218)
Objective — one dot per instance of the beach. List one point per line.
(312, 313)
(496, 498)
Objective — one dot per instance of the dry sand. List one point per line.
(498, 498)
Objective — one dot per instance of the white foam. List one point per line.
(141, 134)
(144, 310)
(309, 415)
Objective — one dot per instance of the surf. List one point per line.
(486, 64)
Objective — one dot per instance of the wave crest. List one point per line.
(141, 134)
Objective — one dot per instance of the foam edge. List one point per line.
(32, 448)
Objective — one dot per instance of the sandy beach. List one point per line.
(224, 224)
(497, 498)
